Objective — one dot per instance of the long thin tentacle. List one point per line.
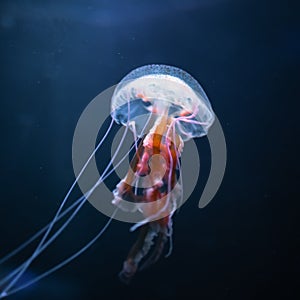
(5, 279)
(61, 264)
(36, 235)
(37, 250)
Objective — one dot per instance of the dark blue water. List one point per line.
(58, 55)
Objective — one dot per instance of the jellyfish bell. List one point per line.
(162, 89)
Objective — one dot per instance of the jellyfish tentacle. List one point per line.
(22, 268)
(170, 236)
(11, 274)
(23, 245)
(61, 264)
(137, 251)
(43, 241)
(149, 234)
(36, 235)
(160, 242)
(47, 243)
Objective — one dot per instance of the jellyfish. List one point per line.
(163, 107)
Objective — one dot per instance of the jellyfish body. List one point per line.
(164, 107)
(179, 110)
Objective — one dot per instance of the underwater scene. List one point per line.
(149, 149)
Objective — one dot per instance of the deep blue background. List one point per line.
(56, 56)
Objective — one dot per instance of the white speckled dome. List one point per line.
(163, 85)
